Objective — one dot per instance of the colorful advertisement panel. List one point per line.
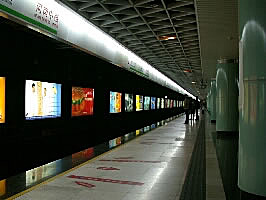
(2, 187)
(128, 102)
(82, 101)
(139, 102)
(115, 142)
(174, 103)
(158, 103)
(171, 103)
(162, 102)
(166, 103)
(42, 100)
(147, 101)
(2, 99)
(115, 102)
(153, 103)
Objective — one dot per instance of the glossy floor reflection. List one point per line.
(226, 146)
(152, 166)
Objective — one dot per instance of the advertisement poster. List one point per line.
(128, 102)
(147, 103)
(2, 99)
(174, 103)
(153, 103)
(82, 101)
(166, 103)
(115, 102)
(115, 142)
(171, 103)
(139, 102)
(146, 129)
(42, 99)
(158, 103)
(2, 187)
(162, 102)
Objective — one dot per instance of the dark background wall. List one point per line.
(28, 55)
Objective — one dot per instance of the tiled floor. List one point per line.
(152, 166)
(214, 184)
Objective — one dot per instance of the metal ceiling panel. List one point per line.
(162, 32)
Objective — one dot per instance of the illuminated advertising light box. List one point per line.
(147, 103)
(2, 99)
(139, 102)
(153, 103)
(115, 102)
(137, 132)
(153, 126)
(183, 103)
(42, 99)
(166, 103)
(82, 101)
(128, 102)
(2, 187)
(146, 129)
(115, 142)
(174, 103)
(171, 103)
(162, 102)
(158, 103)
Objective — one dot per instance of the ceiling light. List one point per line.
(171, 38)
(165, 37)
(193, 82)
(187, 70)
(154, 5)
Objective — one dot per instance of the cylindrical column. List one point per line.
(252, 97)
(213, 100)
(227, 95)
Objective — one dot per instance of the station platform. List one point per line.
(174, 161)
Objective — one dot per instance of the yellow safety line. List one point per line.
(72, 169)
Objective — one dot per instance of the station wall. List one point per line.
(28, 55)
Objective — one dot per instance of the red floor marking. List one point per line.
(106, 180)
(88, 185)
(165, 143)
(148, 143)
(151, 139)
(108, 168)
(144, 161)
(124, 158)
